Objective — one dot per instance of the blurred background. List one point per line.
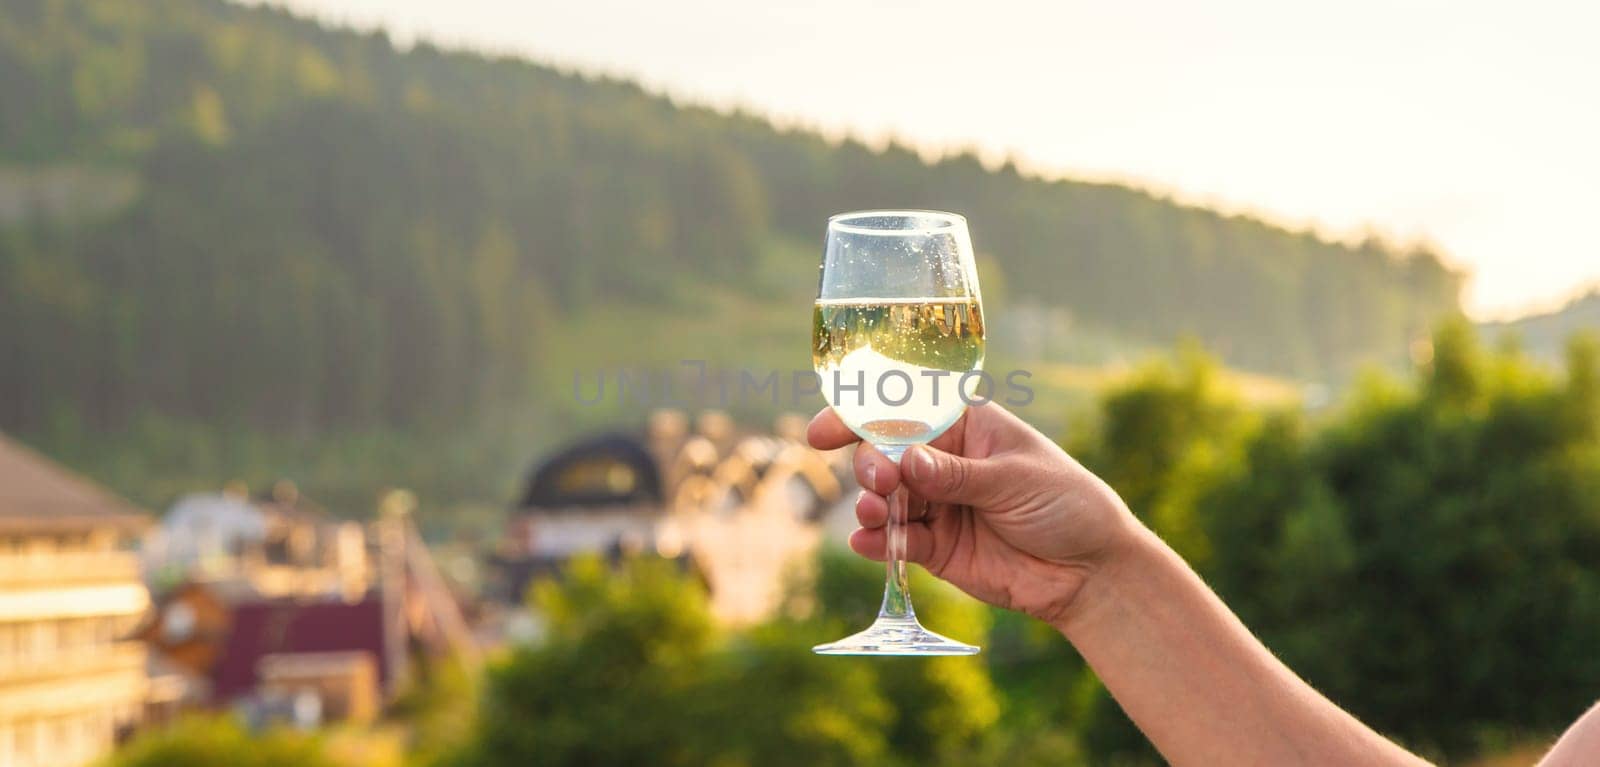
(314, 319)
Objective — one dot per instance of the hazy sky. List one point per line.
(1476, 127)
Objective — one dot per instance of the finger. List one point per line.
(874, 470)
(827, 432)
(872, 510)
(939, 476)
(953, 438)
(873, 544)
(989, 427)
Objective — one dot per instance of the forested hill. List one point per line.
(1547, 335)
(229, 213)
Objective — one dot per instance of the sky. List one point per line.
(1470, 126)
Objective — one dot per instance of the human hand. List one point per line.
(995, 508)
(1010, 518)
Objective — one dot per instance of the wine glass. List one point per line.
(897, 333)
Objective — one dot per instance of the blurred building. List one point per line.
(740, 508)
(277, 545)
(70, 593)
(283, 613)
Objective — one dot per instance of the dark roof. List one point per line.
(264, 628)
(36, 494)
(568, 478)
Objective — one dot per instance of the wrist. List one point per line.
(1129, 556)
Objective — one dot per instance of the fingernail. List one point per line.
(872, 476)
(920, 465)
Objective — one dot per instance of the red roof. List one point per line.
(264, 628)
(36, 493)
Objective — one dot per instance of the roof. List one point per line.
(609, 470)
(271, 628)
(36, 493)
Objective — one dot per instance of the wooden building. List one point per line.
(281, 610)
(70, 593)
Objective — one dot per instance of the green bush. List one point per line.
(633, 672)
(220, 741)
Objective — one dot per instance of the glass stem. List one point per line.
(896, 590)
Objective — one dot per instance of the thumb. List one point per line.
(945, 478)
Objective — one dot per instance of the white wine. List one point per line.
(906, 355)
(898, 368)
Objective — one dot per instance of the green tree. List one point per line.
(328, 232)
(633, 672)
(1428, 555)
(1440, 575)
(220, 742)
(1163, 437)
(943, 707)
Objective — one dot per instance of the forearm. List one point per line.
(1580, 745)
(1194, 679)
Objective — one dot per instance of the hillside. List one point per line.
(304, 230)
(1546, 335)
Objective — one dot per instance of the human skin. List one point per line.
(1580, 745)
(1007, 516)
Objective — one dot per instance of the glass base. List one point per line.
(895, 636)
